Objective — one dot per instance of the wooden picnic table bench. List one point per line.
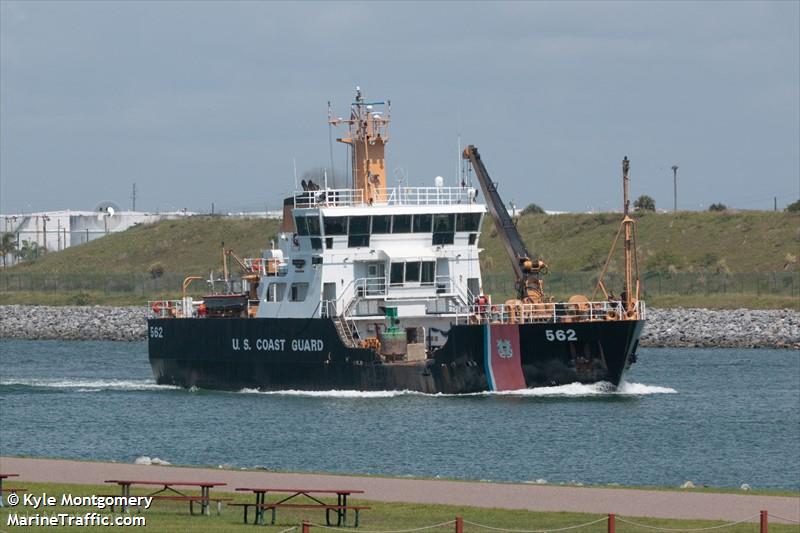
(6, 476)
(340, 508)
(169, 486)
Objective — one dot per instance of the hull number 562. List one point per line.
(156, 332)
(560, 335)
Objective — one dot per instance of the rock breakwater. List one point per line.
(738, 328)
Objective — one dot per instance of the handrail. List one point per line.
(381, 286)
(166, 309)
(390, 196)
(550, 312)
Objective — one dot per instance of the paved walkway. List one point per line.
(624, 502)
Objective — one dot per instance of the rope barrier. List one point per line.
(784, 518)
(684, 529)
(449, 522)
(288, 529)
(535, 530)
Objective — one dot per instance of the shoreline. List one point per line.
(545, 498)
(665, 328)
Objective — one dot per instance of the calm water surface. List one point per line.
(718, 417)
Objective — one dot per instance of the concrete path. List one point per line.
(623, 502)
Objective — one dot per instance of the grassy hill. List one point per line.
(683, 242)
(190, 245)
(710, 245)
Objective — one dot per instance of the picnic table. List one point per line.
(2, 477)
(312, 500)
(169, 487)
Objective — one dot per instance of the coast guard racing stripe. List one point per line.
(501, 357)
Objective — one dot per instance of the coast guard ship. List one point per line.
(379, 288)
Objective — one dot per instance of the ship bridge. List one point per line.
(361, 253)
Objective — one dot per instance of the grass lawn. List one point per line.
(174, 516)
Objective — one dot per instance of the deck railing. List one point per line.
(167, 309)
(390, 196)
(547, 312)
(381, 286)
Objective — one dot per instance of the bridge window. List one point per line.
(422, 223)
(396, 274)
(381, 224)
(443, 229)
(443, 223)
(275, 292)
(412, 271)
(313, 225)
(302, 227)
(299, 292)
(428, 271)
(468, 222)
(422, 272)
(358, 234)
(307, 225)
(401, 224)
(335, 225)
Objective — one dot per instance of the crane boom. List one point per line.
(527, 271)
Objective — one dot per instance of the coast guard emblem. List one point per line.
(504, 349)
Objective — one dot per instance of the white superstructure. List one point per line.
(351, 254)
(416, 252)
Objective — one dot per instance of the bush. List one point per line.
(82, 298)
(718, 207)
(156, 270)
(532, 209)
(645, 203)
(794, 207)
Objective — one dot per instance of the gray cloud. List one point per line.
(206, 101)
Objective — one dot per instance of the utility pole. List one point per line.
(133, 197)
(675, 187)
(774, 203)
(45, 218)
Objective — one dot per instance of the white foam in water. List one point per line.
(89, 385)
(595, 389)
(640, 388)
(571, 390)
(331, 393)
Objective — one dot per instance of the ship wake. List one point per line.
(570, 390)
(85, 385)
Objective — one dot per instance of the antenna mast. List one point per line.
(369, 133)
(330, 145)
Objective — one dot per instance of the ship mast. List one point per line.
(627, 222)
(369, 133)
(630, 294)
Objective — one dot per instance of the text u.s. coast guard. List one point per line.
(277, 345)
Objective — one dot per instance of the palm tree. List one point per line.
(8, 245)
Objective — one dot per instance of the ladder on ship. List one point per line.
(348, 331)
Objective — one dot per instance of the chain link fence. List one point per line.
(661, 283)
(142, 284)
(653, 283)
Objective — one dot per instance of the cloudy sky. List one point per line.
(201, 102)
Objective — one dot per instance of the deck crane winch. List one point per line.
(528, 270)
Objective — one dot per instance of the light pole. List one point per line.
(45, 218)
(675, 187)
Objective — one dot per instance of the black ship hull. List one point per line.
(308, 354)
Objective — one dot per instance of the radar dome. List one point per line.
(439, 181)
